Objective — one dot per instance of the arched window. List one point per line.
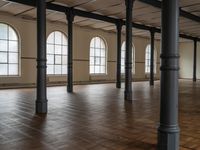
(97, 56)
(148, 59)
(123, 53)
(9, 51)
(57, 53)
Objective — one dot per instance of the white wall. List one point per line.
(82, 38)
(186, 60)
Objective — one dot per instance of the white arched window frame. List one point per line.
(123, 53)
(98, 58)
(57, 51)
(9, 51)
(148, 59)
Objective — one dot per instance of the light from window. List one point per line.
(57, 53)
(123, 53)
(148, 59)
(9, 51)
(97, 56)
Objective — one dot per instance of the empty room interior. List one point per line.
(99, 74)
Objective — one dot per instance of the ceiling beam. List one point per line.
(91, 15)
(183, 13)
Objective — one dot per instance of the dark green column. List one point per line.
(41, 101)
(195, 61)
(168, 131)
(128, 59)
(70, 19)
(152, 57)
(118, 75)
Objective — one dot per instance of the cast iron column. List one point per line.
(168, 131)
(41, 102)
(128, 57)
(195, 62)
(70, 19)
(152, 58)
(119, 29)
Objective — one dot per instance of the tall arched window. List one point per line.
(9, 51)
(97, 56)
(148, 59)
(57, 53)
(123, 53)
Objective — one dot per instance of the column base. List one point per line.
(118, 85)
(168, 138)
(128, 95)
(70, 90)
(151, 83)
(41, 106)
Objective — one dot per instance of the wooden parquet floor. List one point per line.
(95, 117)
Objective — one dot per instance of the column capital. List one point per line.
(152, 31)
(70, 14)
(129, 2)
(119, 24)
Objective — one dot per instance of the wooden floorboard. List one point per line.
(94, 117)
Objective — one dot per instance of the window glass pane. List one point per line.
(64, 40)
(91, 51)
(64, 60)
(50, 49)
(97, 69)
(97, 56)
(3, 57)
(12, 34)
(123, 69)
(97, 52)
(91, 60)
(64, 50)
(50, 59)
(58, 49)
(58, 37)
(13, 58)
(4, 31)
(50, 69)
(97, 60)
(58, 60)
(50, 39)
(3, 45)
(58, 69)
(3, 69)
(102, 45)
(64, 69)
(13, 46)
(103, 53)
(103, 61)
(98, 43)
(13, 69)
